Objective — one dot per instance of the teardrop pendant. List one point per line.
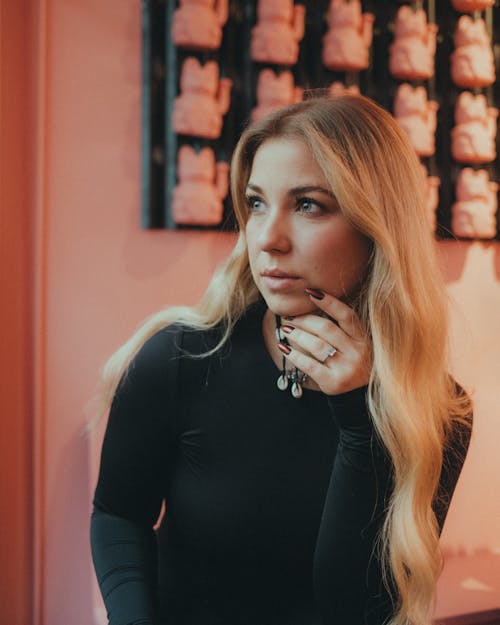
(296, 390)
(282, 382)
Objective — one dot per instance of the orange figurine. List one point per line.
(411, 55)
(274, 92)
(279, 28)
(197, 24)
(204, 99)
(347, 43)
(469, 6)
(473, 136)
(203, 185)
(338, 88)
(472, 63)
(417, 117)
(473, 214)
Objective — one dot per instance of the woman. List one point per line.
(323, 503)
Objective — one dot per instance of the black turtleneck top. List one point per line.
(272, 504)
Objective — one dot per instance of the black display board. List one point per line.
(162, 62)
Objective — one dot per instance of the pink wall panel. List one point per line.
(471, 536)
(104, 275)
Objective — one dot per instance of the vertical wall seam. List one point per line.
(40, 306)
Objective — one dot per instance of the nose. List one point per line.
(275, 234)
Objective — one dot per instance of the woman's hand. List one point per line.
(336, 357)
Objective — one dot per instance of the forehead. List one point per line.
(285, 161)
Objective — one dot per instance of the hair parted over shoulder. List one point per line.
(377, 180)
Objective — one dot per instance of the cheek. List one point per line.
(251, 248)
(342, 253)
(249, 242)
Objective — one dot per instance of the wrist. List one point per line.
(350, 409)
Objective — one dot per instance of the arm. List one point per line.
(347, 574)
(136, 454)
(124, 555)
(352, 516)
(354, 513)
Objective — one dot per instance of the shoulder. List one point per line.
(157, 354)
(159, 358)
(151, 371)
(175, 348)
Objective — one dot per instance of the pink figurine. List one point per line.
(473, 214)
(417, 117)
(276, 36)
(338, 88)
(204, 99)
(197, 24)
(274, 92)
(472, 63)
(432, 184)
(349, 37)
(411, 55)
(203, 184)
(469, 6)
(473, 136)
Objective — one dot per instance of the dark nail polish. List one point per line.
(287, 329)
(315, 293)
(284, 348)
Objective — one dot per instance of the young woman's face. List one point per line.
(296, 234)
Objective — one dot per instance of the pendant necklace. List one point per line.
(295, 376)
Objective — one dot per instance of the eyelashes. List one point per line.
(314, 205)
(251, 200)
(255, 204)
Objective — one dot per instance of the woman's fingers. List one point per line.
(319, 348)
(330, 381)
(336, 357)
(318, 329)
(338, 310)
(318, 334)
(333, 376)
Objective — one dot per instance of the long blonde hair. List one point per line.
(377, 180)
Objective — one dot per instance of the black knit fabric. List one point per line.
(272, 503)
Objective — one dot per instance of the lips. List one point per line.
(277, 280)
(275, 273)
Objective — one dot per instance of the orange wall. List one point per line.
(98, 275)
(16, 288)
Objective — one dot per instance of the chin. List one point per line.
(288, 306)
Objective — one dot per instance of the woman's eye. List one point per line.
(254, 203)
(307, 205)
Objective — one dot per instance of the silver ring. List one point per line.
(331, 352)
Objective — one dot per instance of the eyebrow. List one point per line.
(295, 190)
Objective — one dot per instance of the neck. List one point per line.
(270, 340)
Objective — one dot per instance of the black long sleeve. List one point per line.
(125, 560)
(127, 501)
(272, 505)
(352, 514)
(347, 572)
